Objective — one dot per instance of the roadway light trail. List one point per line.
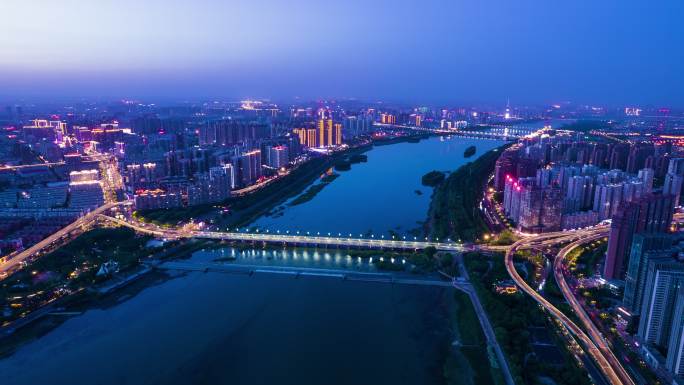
(596, 354)
(593, 331)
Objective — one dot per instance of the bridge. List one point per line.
(487, 132)
(317, 240)
(288, 239)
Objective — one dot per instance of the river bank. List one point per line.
(454, 208)
(381, 197)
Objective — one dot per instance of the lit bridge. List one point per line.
(289, 239)
(504, 133)
(317, 240)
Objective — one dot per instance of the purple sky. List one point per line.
(416, 51)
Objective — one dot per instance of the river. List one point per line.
(232, 329)
(384, 194)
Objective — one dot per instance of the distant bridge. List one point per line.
(504, 133)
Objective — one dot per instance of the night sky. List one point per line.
(600, 51)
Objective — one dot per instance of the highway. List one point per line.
(26, 166)
(589, 326)
(590, 347)
(9, 265)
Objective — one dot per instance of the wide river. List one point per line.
(214, 328)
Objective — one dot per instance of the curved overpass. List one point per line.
(592, 330)
(596, 354)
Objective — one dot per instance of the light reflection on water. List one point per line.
(311, 258)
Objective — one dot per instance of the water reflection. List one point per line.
(312, 258)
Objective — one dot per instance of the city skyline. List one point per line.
(531, 52)
(305, 192)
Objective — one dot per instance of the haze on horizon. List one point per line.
(417, 51)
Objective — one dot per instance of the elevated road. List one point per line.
(8, 265)
(593, 332)
(603, 363)
(28, 166)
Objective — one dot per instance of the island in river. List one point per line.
(470, 151)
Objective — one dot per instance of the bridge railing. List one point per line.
(329, 240)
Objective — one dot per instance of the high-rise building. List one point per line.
(277, 156)
(674, 179)
(211, 187)
(540, 209)
(646, 248)
(673, 185)
(533, 208)
(649, 214)
(323, 128)
(579, 193)
(388, 119)
(637, 156)
(247, 167)
(663, 282)
(328, 133)
(357, 125)
(674, 361)
(676, 166)
(307, 136)
(227, 132)
(505, 169)
(646, 175)
(607, 199)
